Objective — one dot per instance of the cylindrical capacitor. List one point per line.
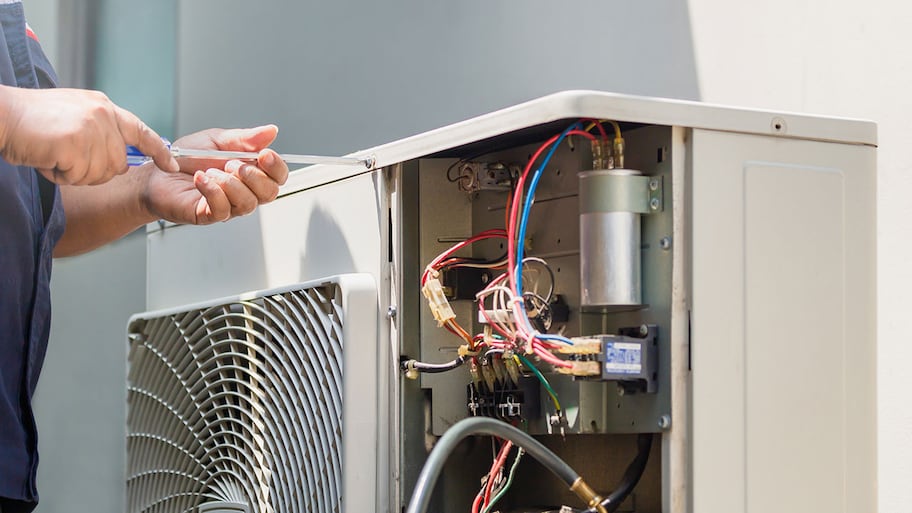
(609, 241)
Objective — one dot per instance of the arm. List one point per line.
(100, 214)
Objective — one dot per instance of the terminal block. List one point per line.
(629, 358)
(498, 390)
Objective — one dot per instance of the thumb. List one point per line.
(246, 139)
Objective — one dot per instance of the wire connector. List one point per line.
(437, 301)
(581, 369)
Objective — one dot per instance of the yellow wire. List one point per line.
(614, 124)
(544, 381)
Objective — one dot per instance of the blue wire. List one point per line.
(524, 220)
(559, 338)
(530, 196)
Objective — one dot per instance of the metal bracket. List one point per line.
(656, 189)
(624, 193)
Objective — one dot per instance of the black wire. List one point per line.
(432, 368)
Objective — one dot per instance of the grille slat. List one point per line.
(239, 402)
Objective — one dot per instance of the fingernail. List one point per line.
(203, 178)
(173, 166)
(268, 159)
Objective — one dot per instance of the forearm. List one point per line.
(99, 214)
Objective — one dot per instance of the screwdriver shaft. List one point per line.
(288, 158)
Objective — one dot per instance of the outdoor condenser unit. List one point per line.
(665, 290)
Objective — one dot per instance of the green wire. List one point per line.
(507, 485)
(541, 378)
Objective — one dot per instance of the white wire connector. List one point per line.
(437, 301)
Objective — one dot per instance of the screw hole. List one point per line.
(778, 126)
(558, 269)
(558, 241)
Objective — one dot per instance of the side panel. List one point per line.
(783, 333)
(332, 229)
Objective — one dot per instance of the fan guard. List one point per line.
(238, 402)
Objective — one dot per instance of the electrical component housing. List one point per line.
(731, 307)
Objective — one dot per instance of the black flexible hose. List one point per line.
(481, 426)
(632, 475)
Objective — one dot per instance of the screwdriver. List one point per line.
(135, 157)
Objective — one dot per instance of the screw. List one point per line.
(665, 243)
(654, 203)
(621, 391)
(654, 184)
(644, 330)
(665, 421)
(391, 312)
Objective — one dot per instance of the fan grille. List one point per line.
(240, 402)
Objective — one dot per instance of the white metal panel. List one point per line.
(601, 105)
(336, 229)
(783, 333)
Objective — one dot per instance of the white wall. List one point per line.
(849, 59)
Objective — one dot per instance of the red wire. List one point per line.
(487, 234)
(517, 200)
(477, 502)
(600, 127)
(495, 469)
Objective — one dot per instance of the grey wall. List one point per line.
(344, 75)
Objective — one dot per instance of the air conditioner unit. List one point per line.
(699, 273)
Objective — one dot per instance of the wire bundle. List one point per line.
(514, 331)
(494, 482)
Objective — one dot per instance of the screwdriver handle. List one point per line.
(138, 158)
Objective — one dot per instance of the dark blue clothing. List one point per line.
(31, 223)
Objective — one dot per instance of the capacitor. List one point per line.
(609, 241)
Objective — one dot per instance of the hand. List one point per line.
(73, 136)
(207, 191)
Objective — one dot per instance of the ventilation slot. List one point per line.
(238, 404)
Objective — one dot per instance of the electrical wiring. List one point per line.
(506, 292)
(424, 486)
(435, 264)
(596, 123)
(516, 237)
(495, 471)
(432, 368)
(541, 377)
(506, 487)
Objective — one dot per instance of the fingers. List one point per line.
(275, 167)
(262, 179)
(245, 139)
(240, 188)
(137, 133)
(214, 205)
(225, 194)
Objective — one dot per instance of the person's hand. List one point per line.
(73, 136)
(207, 191)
